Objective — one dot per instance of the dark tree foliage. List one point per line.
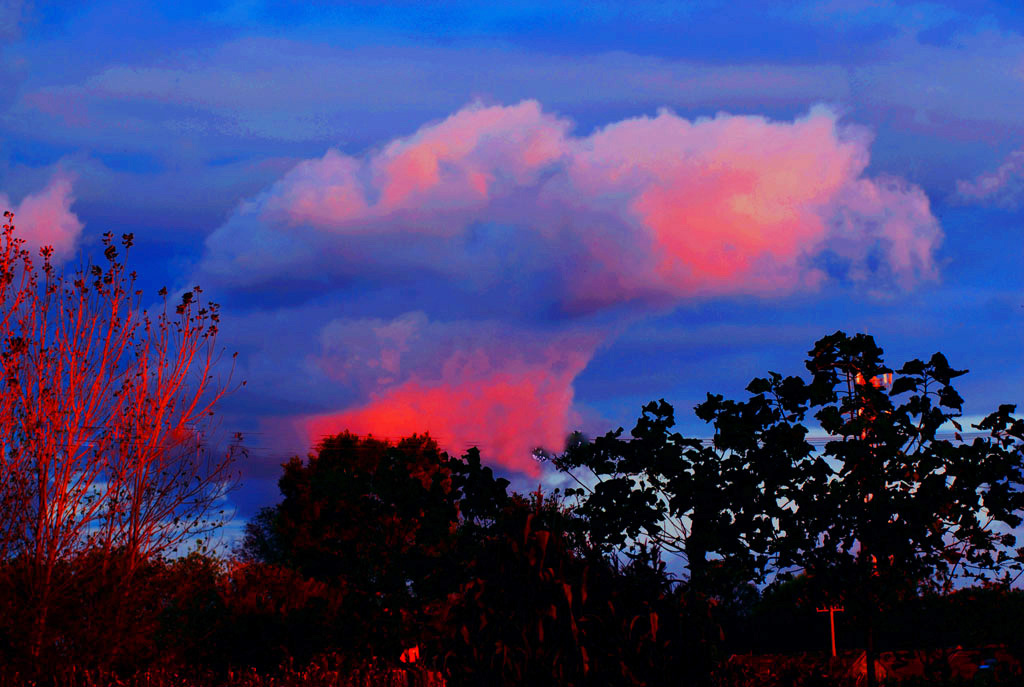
(892, 505)
(632, 477)
(492, 587)
(889, 505)
(356, 505)
(888, 508)
(195, 616)
(267, 616)
(384, 521)
(711, 504)
(536, 611)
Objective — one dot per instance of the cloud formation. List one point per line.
(486, 383)
(505, 248)
(45, 218)
(1002, 187)
(646, 207)
(467, 384)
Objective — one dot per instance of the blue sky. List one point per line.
(411, 204)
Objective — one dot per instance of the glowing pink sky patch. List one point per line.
(45, 218)
(508, 408)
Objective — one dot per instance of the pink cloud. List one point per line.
(504, 210)
(730, 203)
(45, 218)
(894, 216)
(477, 152)
(446, 170)
(1003, 187)
(654, 206)
(508, 405)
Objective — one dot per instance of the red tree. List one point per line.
(104, 420)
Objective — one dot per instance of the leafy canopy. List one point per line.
(891, 502)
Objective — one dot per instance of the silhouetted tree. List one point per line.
(887, 507)
(680, 495)
(103, 417)
(383, 520)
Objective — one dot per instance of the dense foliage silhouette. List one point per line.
(386, 523)
(889, 507)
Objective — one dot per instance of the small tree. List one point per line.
(103, 419)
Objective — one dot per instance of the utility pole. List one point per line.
(832, 610)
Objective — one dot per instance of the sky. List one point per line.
(504, 224)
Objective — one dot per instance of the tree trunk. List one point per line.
(40, 587)
(697, 562)
(869, 655)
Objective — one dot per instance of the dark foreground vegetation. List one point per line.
(376, 549)
(508, 597)
(399, 564)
